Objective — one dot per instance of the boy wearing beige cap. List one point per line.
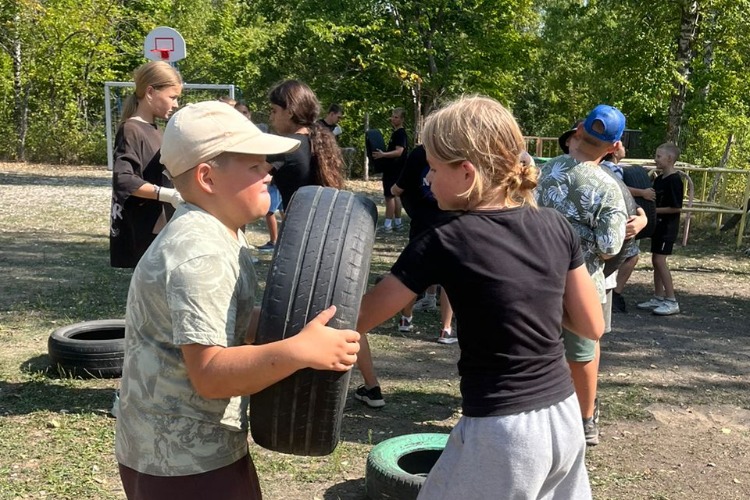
(190, 320)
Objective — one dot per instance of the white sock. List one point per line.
(388, 223)
(407, 318)
(398, 221)
(447, 330)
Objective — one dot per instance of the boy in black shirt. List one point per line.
(669, 192)
(396, 152)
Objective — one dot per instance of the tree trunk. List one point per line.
(708, 49)
(683, 58)
(722, 164)
(21, 97)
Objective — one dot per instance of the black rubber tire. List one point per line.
(91, 349)
(398, 467)
(322, 258)
(732, 222)
(613, 264)
(636, 176)
(374, 140)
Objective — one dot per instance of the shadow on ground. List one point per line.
(24, 398)
(353, 489)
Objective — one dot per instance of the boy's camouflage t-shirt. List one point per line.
(195, 285)
(592, 202)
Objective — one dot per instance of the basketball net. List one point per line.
(163, 53)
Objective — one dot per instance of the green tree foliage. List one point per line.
(372, 56)
(549, 60)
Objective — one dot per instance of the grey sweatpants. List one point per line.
(533, 455)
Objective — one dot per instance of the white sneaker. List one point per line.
(651, 304)
(447, 337)
(426, 303)
(405, 324)
(667, 308)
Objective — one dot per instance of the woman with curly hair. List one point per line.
(318, 160)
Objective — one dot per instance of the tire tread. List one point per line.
(314, 266)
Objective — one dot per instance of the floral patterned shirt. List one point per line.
(592, 202)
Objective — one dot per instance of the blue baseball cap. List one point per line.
(611, 118)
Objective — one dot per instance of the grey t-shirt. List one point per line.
(194, 285)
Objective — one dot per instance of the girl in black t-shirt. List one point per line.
(514, 274)
(140, 189)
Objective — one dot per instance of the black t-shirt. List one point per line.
(669, 192)
(398, 138)
(504, 272)
(417, 199)
(327, 125)
(293, 170)
(132, 219)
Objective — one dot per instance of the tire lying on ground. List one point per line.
(322, 257)
(91, 349)
(397, 467)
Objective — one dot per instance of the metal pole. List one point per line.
(108, 124)
(367, 161)
(743, 217)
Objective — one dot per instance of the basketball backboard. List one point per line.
(164, 44)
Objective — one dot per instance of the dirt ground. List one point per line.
(694, 368)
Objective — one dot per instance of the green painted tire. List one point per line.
(397, 467)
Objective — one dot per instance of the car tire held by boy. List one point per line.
(322, 258)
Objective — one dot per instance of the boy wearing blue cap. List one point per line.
(591, 200)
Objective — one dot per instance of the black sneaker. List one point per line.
(618, 303)
(267, 247)
(371, 397)
(591, 432)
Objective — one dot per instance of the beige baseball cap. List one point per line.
(204, 130)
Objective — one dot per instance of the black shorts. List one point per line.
(665, 234)
(662, 246)
(390, 177)
(237, 481)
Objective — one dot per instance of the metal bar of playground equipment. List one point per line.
(701, 206)
(539, 143)
(108, 107)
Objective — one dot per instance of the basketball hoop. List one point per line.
(164, 44)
